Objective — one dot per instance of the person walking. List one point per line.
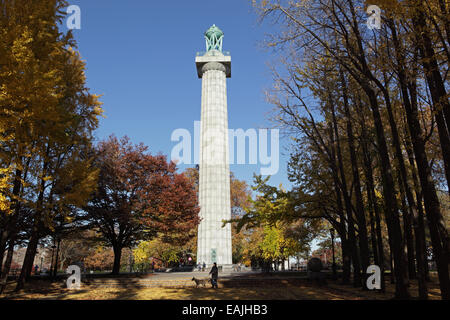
(204, 266)
(214, 275)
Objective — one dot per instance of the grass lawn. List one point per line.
(282, 289)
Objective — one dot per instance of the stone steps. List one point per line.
(226, 282)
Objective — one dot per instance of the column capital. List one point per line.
(217, 61)
(213, 65)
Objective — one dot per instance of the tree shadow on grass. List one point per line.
(261, 289)
(39, 289)
(92, 288)
(233, 288)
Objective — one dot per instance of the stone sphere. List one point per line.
(315, 265)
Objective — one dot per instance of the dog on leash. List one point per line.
(202, 282)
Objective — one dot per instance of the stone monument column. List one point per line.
(213, 67)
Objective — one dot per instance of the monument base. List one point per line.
(221, 267)
(225, 268)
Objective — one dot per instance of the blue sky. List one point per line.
(140, 57)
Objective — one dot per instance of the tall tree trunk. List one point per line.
(346, 252)
(55, 270)
(445, 143)
(407, 227)
(391, 263)
(419, 226)
(3, 241)
(372, 199)
(419, 220)
(444, 12)
(11, 221)
(8, 261)
(408, 236)
(373, 235)
(438, 233)
(368, 172)
(390, 203)
(27, 264)
(432, 206)
(360, 215)
(391, 208)
(417, 211)
(405, 190)
(117, 255)
(436, 86)
(346, 261)
(348, 208)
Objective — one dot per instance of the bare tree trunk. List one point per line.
(390, 203)
(418, 222)
(409, 246)
(417, 211)
(348, 208)
(377, 236)
(419, 228)
(408, 211)
(11, 221)
(27, 265)
(3, 241)
(373, 235)
(438, 232)
(117, 255)
(7, 266)
(391, 209)
(437, 90)
(408, 236)
(346, 252)
(445, 143)
(431, 200)
(391, 262)
(373, 205)
(360, 215)
(55, 270)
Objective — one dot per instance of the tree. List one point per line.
(47, 117)
(271, 225)
(252, 252)
(277, 246)
(76, 247)
(325, 247)
(157, 249)
(356, 102)
(139, 197)
(100, 258)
